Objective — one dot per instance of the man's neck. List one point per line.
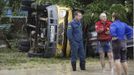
(103, 20)
(76, 20)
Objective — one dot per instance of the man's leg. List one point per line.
(124, 61)
(118, 66)
(117, 56)
(101, 54)
(82, 56)
(108, 49)
(102, 59)
(74, 51)
(125, 67)
(110, 56)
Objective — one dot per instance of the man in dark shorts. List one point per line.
(119, 32)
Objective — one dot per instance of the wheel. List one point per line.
(24, 48)
(24, 43)
(32, 54)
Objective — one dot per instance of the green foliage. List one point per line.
(93, 10)
(119, 8)
(69, 3)
(1, 6)
(15, 5)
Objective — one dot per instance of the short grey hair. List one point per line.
(102, 15)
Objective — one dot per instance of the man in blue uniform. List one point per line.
(119, 32)
(74, 34)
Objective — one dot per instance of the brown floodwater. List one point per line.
(64, 69)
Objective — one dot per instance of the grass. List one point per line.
(13, 59)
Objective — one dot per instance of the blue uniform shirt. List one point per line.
(74, 31)
(121, 30)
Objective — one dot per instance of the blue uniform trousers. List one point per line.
(77, 50)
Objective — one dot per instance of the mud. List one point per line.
(64, 69)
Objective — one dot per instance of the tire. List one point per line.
(130, 52)
(49, 53)
(24, 48)
(35, 54)
(24, 43)
(90, 51)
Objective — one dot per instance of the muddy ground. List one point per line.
(63, 69)
(13, 62)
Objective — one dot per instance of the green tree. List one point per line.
(2, 4)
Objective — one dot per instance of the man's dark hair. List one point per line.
(76, 13)
(116, 15)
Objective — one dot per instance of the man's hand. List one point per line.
(100, 30)
(107, 32)
(114, 38)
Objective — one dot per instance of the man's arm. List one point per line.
(128, 31)
(113, 31)
(98, 29)
(70, 32)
